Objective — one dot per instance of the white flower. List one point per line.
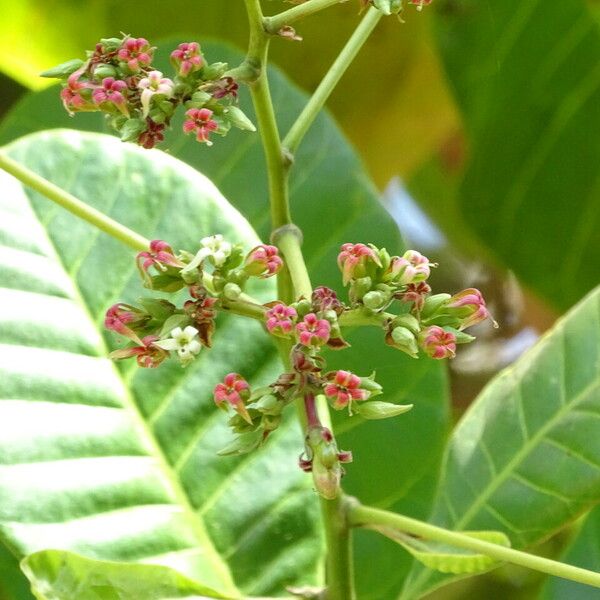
(155, 83)
(184, 342)
(217, 248)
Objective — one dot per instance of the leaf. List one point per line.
(445, 558)
(525, 458)
(121, 464)
(527, 81)
(59, 575)
(404, 453)
(583, 552)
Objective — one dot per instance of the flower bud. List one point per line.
(187, 58)
(403, 339)
(242, 444)
(438, 343)
(237, 117)
(324, 459)
(263, 261)
(381, 410)
(324, 298)
(433, 304)
(124, 318)
(469, 306)
(232, 291)
(102, 70)
(377, 300)
(412, 267)
(354, 261)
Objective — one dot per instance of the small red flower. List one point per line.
(470, 306)
(119, 316)
(160, 256)
(438, 343)
(280, 319)
(313, 331)
(198, 120)
(136, 52)
(263, 261)
(113, 91)
(147, 354)
(233, 391)
(187, 58)
(343, 388)
(353, 258)
(416, 293)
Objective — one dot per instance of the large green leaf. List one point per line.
(333, 202)
(525, 459)
(122, 465)
(583, 552)
(60, 575)
(527, 80)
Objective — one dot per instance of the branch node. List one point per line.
(284, 230)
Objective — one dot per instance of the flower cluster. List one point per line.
(119, 80)
(433, 324)
(387, 291)
(215, 275)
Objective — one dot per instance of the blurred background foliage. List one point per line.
(476, 119)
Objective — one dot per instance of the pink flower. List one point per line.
(71, 95)
(280, 319)
(415, 292)
(160, 256)
(136, 52)
(469, 305)
(233, 391)
(113, 91)
(438, 343)
(147, 354)
(198, 120)
(119, 315)
(263, 261)
(187, 58)
(313, 331)
(413, 267)
(343, 388)
(353, 258)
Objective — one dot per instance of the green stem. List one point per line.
(365, 515)
(265, 115)
(331, 79)
(72, 204)
(274, 24)
(294, 281)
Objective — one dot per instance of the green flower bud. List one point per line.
(242, 444)
(214, 71)
(102, 70)
(238, 118)
(63, 70)
(433, 304)
(232, 291)
(131, 129)
(403, 339)
(381, 410)
(369, 384)
(411, 323)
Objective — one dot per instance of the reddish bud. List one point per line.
(353, 258)
(119, 316)
(324, 299)
(160, 256)
(469, 305)
(412, 267)
(438, 343)
(263, 261)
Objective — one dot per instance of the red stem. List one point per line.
(311, 410)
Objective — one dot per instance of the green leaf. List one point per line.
(402, 454)
(445, 558)
(525, 458)
(583, 552)
(527, 80)
(121, 464)
(59, 575)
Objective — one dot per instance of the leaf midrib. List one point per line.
(145, 432)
